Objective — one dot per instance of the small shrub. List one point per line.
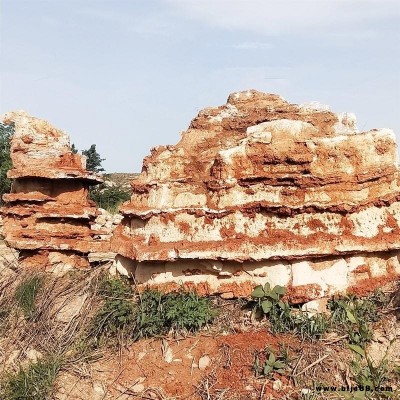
(26, 294)
(150, 315)
(33, 383)
(159, 313)
(185, 311)
(116, 316)
(110, 197)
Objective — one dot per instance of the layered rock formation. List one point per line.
(8, 255)
(48, 214)
(260, 189)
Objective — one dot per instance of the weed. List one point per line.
(186, 311)
(271, 363)
(354, 315)
(268, 298)
(149, 315)
(368, 375)
(283, 318)
(312, 327)
(116, 316)
(34, 383)
(158, 313)
(153, 314)
(26, 294)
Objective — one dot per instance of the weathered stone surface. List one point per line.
(260, 189)
(48, 214)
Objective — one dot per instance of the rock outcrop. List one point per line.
(48, 214)
(263, 190)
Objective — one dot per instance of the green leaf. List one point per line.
(258, 292)
(267, 287)
(279, 364)
(273, 296)
(266, 305)
(281, 304)
(279, 289)
(280, 371)
(350, 316)
(271, 359)
(359, 350)
(267, 369)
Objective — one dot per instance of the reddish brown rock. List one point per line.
(260, 189)
(48, 214)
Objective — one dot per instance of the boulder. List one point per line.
(263, 190)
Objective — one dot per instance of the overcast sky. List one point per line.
(131, 74)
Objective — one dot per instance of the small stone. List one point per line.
(277, 385)
(227, 295)
(316, 307)
(138, 388)
(167, 352)
(34, 356)
(204, 362)
(98, 388)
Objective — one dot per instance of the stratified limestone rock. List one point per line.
(260, 189)
(48, 214)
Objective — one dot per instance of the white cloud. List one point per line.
(287, 16)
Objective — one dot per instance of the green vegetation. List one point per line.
(366, 374)
(268, 298)
(110, 197)
(153, 314)
(271, 363)
(158, 313)
(6, 131)
(116, 316)
(36, 382)
(93, 159)
(26, 293)
(348, 314)
(284, 318)
(354, 315)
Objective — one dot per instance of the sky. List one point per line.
(128, 75)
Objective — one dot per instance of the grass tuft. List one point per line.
(36, 382)
(26, 294)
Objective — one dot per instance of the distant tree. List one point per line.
(93, 161)
(6, 131)
(74, 149)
